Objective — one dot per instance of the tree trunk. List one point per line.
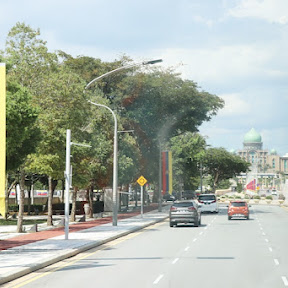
(216, 179)
(73, 209)
(7, 193)
(21, 202)
(91, 201)
(50, 201)
(29, 200)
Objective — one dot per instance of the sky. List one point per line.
(235, 49)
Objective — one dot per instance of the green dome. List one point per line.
(252, 137)
(273, 152)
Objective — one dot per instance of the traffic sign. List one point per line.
(141, 181)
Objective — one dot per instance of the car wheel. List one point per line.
(171, 224)
(229, 217)
(247, 217)
(196, 223)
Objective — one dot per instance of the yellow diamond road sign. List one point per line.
(141, 180)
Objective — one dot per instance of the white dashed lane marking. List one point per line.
(175, 260)
(158, 279)
(285, 281)
(276, 262)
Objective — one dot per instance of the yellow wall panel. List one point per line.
(2, 137)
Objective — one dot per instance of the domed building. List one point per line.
(253, 152)
(253, 140)
(267, 165)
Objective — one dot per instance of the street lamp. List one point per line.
(115, 158)
(122, 68)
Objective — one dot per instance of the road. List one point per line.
(220, 253)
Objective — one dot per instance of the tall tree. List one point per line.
(57, 92)
(187, 150)
(160, 105)
(22, 137)
(221, 165)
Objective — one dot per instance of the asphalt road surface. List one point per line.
(220, 253)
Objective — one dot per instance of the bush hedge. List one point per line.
(33, 208)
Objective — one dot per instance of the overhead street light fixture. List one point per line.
(151, 62)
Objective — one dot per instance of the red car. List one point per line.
(238, 208)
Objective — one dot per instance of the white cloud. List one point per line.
(235, 105)
(202, 20)
(273, 11)
(221, 64)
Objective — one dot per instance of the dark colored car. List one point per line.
(185, 212)
(169, 197)
(238, 209)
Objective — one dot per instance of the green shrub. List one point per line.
(281, 197)
(256, 197)
(33, 208)
(269, 197)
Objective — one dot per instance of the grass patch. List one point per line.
(25, 221)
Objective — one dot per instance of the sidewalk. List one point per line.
(28, 252)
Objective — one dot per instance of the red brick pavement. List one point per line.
(43, 235)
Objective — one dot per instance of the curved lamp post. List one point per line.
(115, 156)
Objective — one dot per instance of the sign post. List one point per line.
(141, 181)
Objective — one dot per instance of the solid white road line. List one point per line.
(158, 279)
(285, 281)
(276, 262)
(175, 260)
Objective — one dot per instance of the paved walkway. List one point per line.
(25, 253)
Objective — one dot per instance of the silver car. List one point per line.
(185, 212)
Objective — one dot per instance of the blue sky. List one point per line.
(236, 49)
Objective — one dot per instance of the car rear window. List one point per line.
(183, 204)
(207, 197)
(238, 204)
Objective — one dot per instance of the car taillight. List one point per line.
(213, 201)
(191, 208)
(200, 201)
(173, 208)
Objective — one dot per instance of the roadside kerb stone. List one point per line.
(22, 260)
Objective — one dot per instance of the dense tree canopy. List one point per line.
(21, 131)
(157, 104)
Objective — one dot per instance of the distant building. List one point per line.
(268, 164)
(266, 161)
